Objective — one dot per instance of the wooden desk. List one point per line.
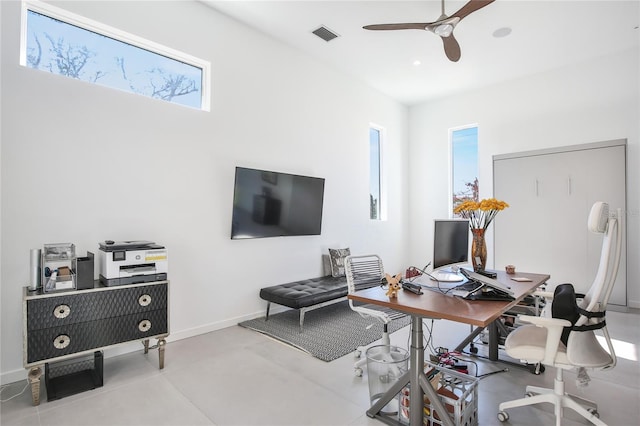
(438, 306)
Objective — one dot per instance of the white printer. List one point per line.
(130, 262)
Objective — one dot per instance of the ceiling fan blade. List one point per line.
(451, 48)
(384, 27)
(471, 7)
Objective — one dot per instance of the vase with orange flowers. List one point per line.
(480, 215)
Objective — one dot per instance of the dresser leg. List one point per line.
(146, 346)
(34, 380)
(161, 344)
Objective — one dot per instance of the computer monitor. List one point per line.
(450, 243)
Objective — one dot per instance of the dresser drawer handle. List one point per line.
(144, 325)
(144, 300)
(61, 311)
(62, 341)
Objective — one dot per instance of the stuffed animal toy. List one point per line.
(394, 285)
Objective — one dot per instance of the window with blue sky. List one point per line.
(464, 165)
(63, 43)
(375, 140)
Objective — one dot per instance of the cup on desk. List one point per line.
(510, 269)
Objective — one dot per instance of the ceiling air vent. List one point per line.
(325, 33)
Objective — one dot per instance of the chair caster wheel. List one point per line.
(357, 354)
(528, 394)
(473, 350)
(594, 412)
(503, 416)
(358, 372)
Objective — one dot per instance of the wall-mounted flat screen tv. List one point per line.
(274, 204)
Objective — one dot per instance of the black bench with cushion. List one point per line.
(306, 295)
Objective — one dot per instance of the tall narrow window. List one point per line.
(464, 165)
(57, 41)
(375, 173)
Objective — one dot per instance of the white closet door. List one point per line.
(551, 193)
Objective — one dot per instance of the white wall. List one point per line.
(82, 163)
(588, 102)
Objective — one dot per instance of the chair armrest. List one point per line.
(545, 321)
(554, 328)
(546, 294)
(548, 300)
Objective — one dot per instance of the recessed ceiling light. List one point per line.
(502, 32)
(416, 63)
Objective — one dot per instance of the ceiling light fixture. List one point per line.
(417, 63)
(444, 30)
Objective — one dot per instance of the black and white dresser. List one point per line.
(66, 325)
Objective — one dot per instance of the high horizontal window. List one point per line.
(57, 41)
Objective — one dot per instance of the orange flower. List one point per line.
(480, 214)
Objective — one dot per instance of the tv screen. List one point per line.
(450, 242)
(273, 204)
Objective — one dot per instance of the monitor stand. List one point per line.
(447, 275)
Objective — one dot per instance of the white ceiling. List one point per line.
(545, 35)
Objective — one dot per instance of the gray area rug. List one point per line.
(329, 332)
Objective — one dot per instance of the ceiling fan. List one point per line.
(443, 27)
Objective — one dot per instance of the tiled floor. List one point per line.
(238, 377)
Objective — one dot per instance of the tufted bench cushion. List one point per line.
(306, 295)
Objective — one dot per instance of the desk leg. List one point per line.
(493, 341)
(389, 395)
(416, 396)
(470, 338)
(418, 381)
(494, 337)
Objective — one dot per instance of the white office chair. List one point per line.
(364, 272)
(541, 341)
